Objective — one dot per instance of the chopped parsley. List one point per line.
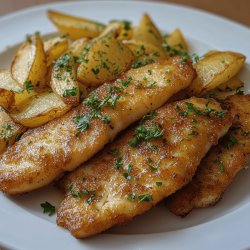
(239, 91)
(6, 131)
(131, 197)
(118, 163)
(28, 86)
(148, 116)
(95, 71)
(82, 122)
(48, 208)
(153, 168)
(113, 151)
(145, 197)
(230, 141)
(70, 92)
(192, 109)
(151, 84)
(143, 133)
(158, 183)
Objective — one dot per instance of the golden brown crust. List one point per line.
(44, 153)
(221, 164)
(159, 168)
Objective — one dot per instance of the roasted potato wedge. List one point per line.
(55, 47)
(215, 69)
(147, 32)
(9, 84)
(9, 130)
(145, 53)
(177, 40)
(77, 47)
(232, 87)
(105, 58)
(40, 109)
(123, 29)
(63, 79)
(29, 63)
(7, 98)
(75, 27)
(232, 84)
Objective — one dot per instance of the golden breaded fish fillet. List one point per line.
(145, 165)
(220, 166)
(44, 153)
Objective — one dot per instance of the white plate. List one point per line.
(225, 226)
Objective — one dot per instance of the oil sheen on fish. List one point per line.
(220, 166)
(44, 153)
(144, 165)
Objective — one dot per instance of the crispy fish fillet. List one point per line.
(142, 167)
(44, 153)
(220, 166)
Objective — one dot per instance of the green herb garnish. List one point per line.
(48, 208)
(145, 197)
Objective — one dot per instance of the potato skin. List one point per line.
(29, 63)
(75, 27)
(40, 109)
(147, 32)
(215, 69)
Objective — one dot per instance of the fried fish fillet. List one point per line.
(44, 153)
(220, 166)
(143, 166)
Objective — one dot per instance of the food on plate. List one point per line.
(7, 98)
(9, 130)
(63, 144)
(146, 164)
(123, 29)
(147, 32)
(75, 27)
(63, 79)
(215, 69)
(29, 64)
(221, 164)
(55, 47)
(145, 53)
(176, 40)
(39, 109)
(20, 95)
(103, 60)
(75, 92)
(231, 87)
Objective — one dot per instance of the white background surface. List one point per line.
(225, 226)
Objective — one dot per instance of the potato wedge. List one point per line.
(29, 63)
(9, 130)
(9, 84)
(105, 58)
(63, 79)
(75, 27)
(145, 53)
(7, 98)
(40, 109)
(176, 40)
(147, 32)
(77, 47)
(123, 29)
(215, 69)
(233, 84)
(231, 87)
(55, 47)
